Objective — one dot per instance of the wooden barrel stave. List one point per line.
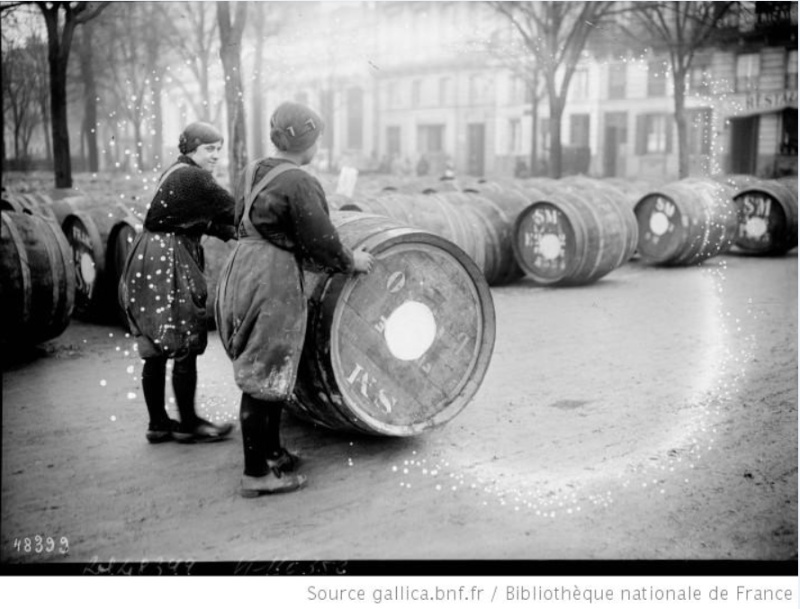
(38, 279)
(354, 374)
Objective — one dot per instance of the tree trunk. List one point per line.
(680, 123)
(556, 112)
(57, 53)
(158, 125)
(90, 98)
(258, 111)
(230, 53)
(534, 133)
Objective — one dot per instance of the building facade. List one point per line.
(398, 81)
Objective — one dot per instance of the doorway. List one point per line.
(744, 145)
(476, 146)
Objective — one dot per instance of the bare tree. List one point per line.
(679, 29)
(230, 52)
(61, 19)
(89, 98)
(194, 38)
(555, 34)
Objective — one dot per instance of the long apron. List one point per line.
(163, 292)
(260, 308)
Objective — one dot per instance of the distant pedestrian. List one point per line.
(283, 227)
(163, 290)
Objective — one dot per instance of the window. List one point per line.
(430, 138)
(791, 71)
(657, 78)
(475, 89)
(395, 100)
(654, 134)
(393, 141)
(445, 91)
(616, 81)
(698, 122)
(355, 118)
(516, 91)
(579, 85)
(700, 78)
(416, 93)
(514, 136)
(579, 130)
(788, 145)
(748, 68)
(326, 108)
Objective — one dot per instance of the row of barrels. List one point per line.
(424, 319)
(87, 241)
(576, 230)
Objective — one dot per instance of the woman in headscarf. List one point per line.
(163, 290)
(283, 226)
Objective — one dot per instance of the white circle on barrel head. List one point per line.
(87, 268)
(550, 246)
(410, 331)
(755, 227)
(659, 223)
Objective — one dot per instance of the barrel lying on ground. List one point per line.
(767, 217)
(402, 349)
(569, 238)
(494, 213)
(686, 222)
(100, 237)
(37, 279)
(431, 213)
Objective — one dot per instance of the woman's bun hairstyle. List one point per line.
(294, 127)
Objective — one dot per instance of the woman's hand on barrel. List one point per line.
(362, 261)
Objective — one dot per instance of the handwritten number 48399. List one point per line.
(39, 544)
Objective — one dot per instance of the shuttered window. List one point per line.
(653, 134)
(579, 130)
(748, 68)
(616, 81)
(355, 118)
(657, 78)
(698, 122)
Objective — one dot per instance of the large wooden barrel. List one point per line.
(37, 283)
(767, 217)
(495, 213)
(402, 349)
(100, 238)
(430, 213)
(686, 222)
(569, 239)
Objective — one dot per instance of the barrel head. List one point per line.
(544, 242)
(410, 342)
(661, 227)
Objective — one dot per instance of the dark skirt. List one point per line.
(163, 293)
(261, 318)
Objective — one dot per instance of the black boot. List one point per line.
(192, 429)
(153, 384)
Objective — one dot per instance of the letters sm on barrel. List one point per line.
(402, 349)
